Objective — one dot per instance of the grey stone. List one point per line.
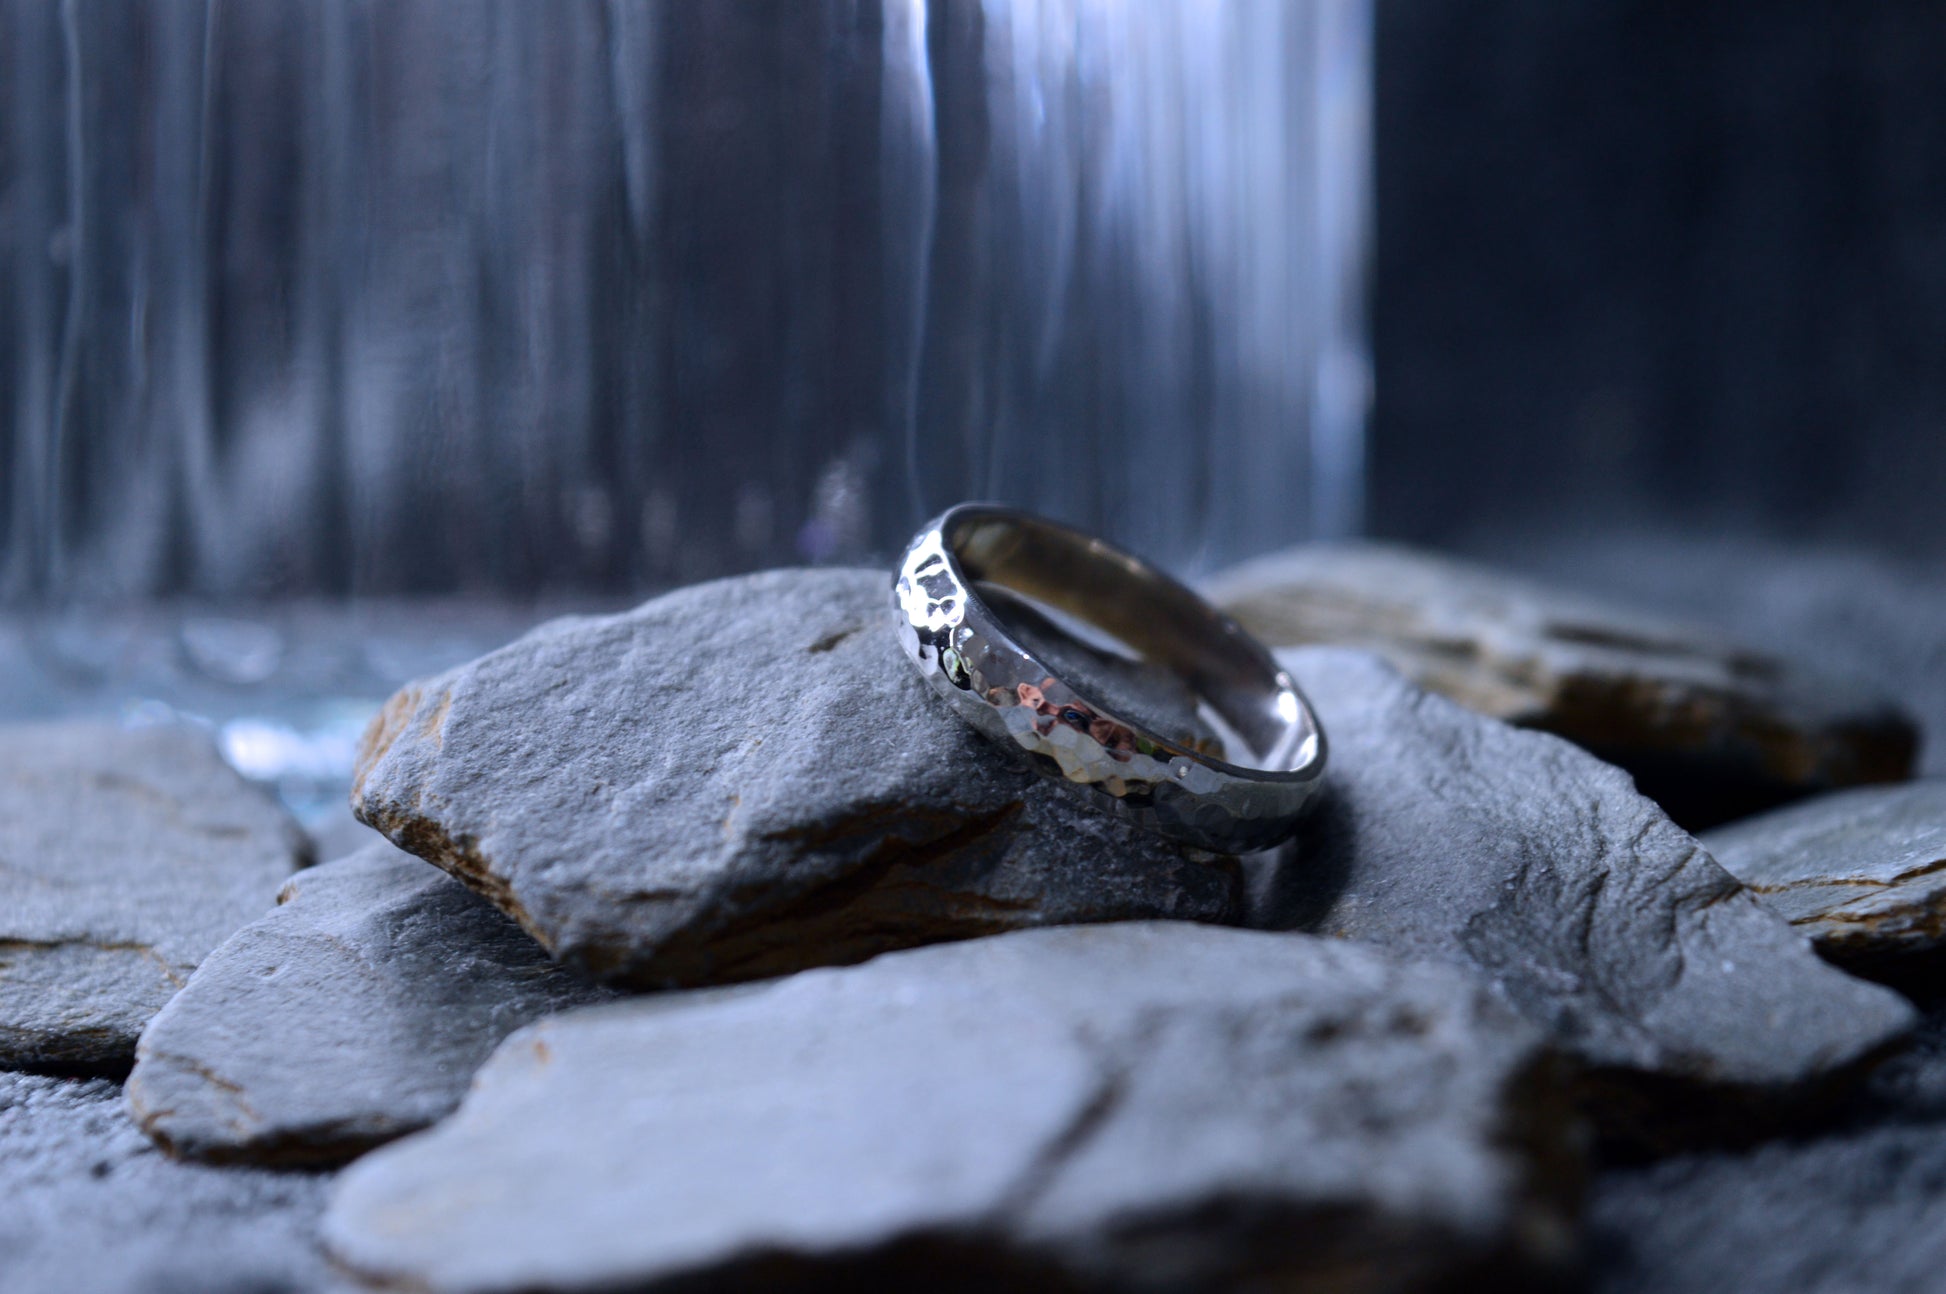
(92, 1206)
(1710, 728)
(740, 779)
(1441, 833)
(126, 855)
(1862, 872)
(1853, 613)
(1855, 1203)
(1144, 1104)
(1832, 1215)
(355, 1012)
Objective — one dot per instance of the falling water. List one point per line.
(490, 296)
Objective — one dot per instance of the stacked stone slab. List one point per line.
(126, 856)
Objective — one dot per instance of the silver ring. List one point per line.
(1178, 786)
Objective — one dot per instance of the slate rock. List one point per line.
(1845, 611)
(354, 1013)
(1855, 1203)
(1828, 1216)
(92, 1206)
(1144, 1105)
(1862, 872)
(126, 855)
(1441, 833)
(1711, 729)
(741, 779)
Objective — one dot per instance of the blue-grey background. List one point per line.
(1663, 266)
(500, 297)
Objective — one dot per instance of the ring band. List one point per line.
(1002, 688)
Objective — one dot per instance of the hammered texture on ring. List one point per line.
(1002, 689)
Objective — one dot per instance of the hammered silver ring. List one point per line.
(1178, 786)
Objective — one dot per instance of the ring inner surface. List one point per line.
(1149, 612)
(1104, 672)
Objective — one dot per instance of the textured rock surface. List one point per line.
(744, 778)
(1148, 1103)
(92, 1206)
(355, 1012)
(1445, 834)
(1862, 872)
(1853, 613)
(1710, 729)
(1857, 1205)
(1834, 1215)
(125, 856)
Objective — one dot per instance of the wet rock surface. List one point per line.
(1711, 729)
(1857, 1203)
(1441, 833)
(1149, 1105)
(741, 779)
(355, 1012)
(1862, 872)
(92, 1206)
(126, 855)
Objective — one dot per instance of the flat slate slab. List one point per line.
(1711, 729)
(741, 779)
(92, 1206)
(1441, 833)
(353, 1013)
(126, 855)
(1144, 1105)
(1862, 872)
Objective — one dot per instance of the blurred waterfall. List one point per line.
(488, 296)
